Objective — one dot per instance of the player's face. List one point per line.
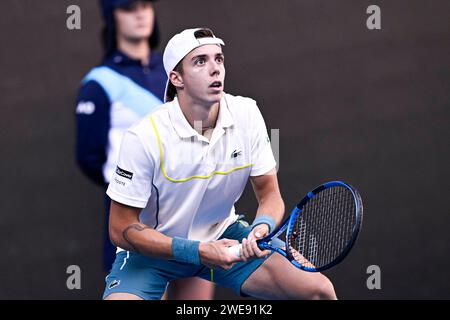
(204, 74)
(135, 21)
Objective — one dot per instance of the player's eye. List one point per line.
(200, 61)
(219, 59)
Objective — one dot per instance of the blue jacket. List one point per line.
(112, 97)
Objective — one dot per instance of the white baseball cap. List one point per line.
(179, 46)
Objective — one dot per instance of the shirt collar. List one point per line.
(120, 58)
(184, 129)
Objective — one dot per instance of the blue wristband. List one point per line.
(264, 219)
(185, 250)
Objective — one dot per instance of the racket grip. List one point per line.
(235, 250)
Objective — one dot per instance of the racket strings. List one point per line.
(324, 228)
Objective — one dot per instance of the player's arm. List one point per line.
(269, 214)
(267, 193)
(264, 180)
(128, 233)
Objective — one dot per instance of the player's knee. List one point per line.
(324, 290)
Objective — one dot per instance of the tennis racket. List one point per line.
(321, 229)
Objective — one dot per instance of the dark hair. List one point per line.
(201, 33)
(109, 41)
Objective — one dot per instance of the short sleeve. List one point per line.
(262, 156)
(131, 183)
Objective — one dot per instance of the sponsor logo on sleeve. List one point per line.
(122, 183)
(124, 173)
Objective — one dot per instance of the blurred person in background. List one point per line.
(127, 85)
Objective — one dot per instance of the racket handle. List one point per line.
(235, 250)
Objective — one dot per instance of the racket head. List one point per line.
(324, 226)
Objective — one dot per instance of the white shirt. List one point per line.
(185, 184)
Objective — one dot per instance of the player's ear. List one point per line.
(176, 78)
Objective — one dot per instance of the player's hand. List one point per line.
(250, 248)
(215, 254)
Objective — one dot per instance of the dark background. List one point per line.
(367, 107)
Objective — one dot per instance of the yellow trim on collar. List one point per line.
(161, 162)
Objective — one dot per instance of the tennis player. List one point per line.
(180, 171)
(126, 86)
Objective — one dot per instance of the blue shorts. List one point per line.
(148, 277)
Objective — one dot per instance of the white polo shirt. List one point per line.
(186, 184)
